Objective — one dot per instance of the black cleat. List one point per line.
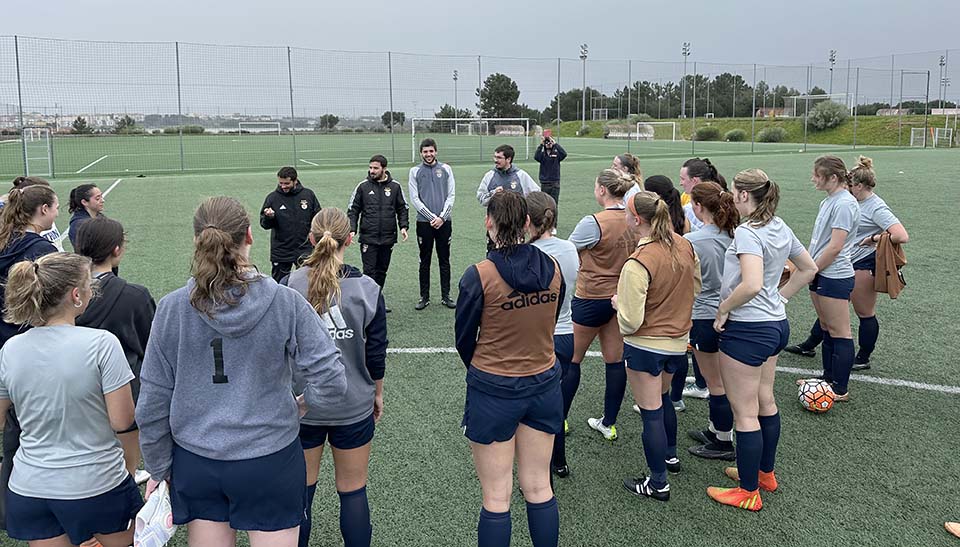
(703, 436)
(448, 303)
(673, 465)
(561, 471)
(642, 487)
(861, 363)
(800, 349)
(714, 451)
(423, 303)
(388, 310)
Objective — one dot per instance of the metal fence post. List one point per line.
(900, 114)
(806, 108)
(856, 101)
(753, 114)
(892, 73)
(480, 114)
(176, 46)
(693, 139)
(23, 140)
(558, 97)
(393, 146)
(629, 89)
(926, 112)
(293, 116)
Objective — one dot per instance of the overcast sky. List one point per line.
(731, 31)
(105, 78)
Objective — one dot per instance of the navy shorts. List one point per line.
(868, 263)
(592, 312)
(489, 418)
(30, 519)
(703, 337)
(342, 437)
(642, 360)
(752, 343)
(266, 494)
(832, 288)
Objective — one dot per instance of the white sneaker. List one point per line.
(609, 433)
(154, 524)
(691, 390)
(636, 408)
(141, 476)
(679, 406)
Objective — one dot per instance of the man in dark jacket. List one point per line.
(287, 213)
(549, 155)
(376, 209)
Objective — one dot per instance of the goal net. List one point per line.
(470, 139)
(37, 151)
(599, 114)
(918, 137)
(269, 128)
(656, 131)
(943, 137)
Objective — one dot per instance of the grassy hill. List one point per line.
(871, 130)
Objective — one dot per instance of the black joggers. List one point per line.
(427, 237)
(376, 260)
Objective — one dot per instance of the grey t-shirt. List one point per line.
(775, 243)
(695, 223)
(841, 211)
(710, 244)
(875, 218)
(565, 253)
(57, 378)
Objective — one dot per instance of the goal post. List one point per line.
(918, 137)
(800, 104)
(656, 131)
(599, 114)
(943, 137)
(37, 151)
(258, 128)
(468, 135)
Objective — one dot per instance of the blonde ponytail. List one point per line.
(36, 289)
(330, 229)
(652, 209)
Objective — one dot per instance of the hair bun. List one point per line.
(865, 162)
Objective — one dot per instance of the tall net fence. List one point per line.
(84, 108)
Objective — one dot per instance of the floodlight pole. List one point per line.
(583, 106)
(685, 51)
(456, 110)
(833, 61)
(940, 88)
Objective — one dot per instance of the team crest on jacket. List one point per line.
(438, 172)
(303, 204)
(386, 192)
(513, 185)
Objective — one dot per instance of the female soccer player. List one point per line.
(831, 245)
(876, 218)
(718, 217)
(71, 387)
(629, 164)
(654, 299)
(351, 307)
(124, 309)
(86, 202)
(752, 323)
(693, 172)
(53, 233)
(604, 241)
(543, 217)
(230, 447)
(506, 313)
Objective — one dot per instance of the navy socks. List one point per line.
(543, 519)
(307, 523)
(869, 332)
(355, 518)
(721, 416)
(669, 425)
(770, 429)
(842, 363)
(749, 453)
(815, 337)
(616, 386)
(494, 529)
(655, 445)
(826, 354)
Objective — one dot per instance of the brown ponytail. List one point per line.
(713, 198)
(508, 212)
(543, 214)
(35, 289)
(827, 166)
(330, 228)
(220, 227)
(22, 204)
(764, 192)
(652, 209)
(616, 182)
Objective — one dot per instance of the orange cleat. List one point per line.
(768, 481)
(737, 497)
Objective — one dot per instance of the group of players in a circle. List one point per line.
(294, 367)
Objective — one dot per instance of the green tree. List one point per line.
(398, 119)
(498, 97)
(126, 124)
(328, 121)
(447, 111)
(81, 127)
(569, 105)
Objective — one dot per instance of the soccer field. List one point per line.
(131, 155)
(880, 470)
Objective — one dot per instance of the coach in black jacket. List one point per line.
(287, 212)
(377, 207)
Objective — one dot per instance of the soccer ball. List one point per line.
(816, 396)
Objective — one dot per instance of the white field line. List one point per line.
(59, 241)
(91, 164)
(310, 162)
(953, 390)
(10, 142)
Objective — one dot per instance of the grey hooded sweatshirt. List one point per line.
(222, 387)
